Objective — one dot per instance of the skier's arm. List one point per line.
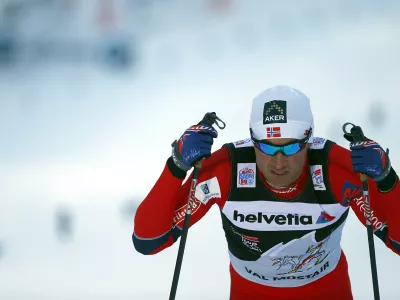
(384, 197)
(159, 218)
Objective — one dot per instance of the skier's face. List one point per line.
(281, 170)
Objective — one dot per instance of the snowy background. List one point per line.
(92, 93)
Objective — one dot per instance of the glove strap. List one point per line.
(177, 161)
(387, 169)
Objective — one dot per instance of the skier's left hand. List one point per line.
(369, 158)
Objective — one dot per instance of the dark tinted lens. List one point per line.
(288, 150)
(291, 149)
(268, 149)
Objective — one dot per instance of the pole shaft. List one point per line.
(370, 233)
(185, 230)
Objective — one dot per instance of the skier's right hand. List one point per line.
(194, 145)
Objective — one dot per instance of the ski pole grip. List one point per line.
(210, 119)
(355, 132)
(358, 135)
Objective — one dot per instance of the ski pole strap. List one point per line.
(356, 134)
(211, 118)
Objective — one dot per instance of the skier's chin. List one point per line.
(279, 178)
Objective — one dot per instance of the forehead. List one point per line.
(279, 142)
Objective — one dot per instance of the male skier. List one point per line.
(284, 197)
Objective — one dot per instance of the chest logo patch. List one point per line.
(246, 175)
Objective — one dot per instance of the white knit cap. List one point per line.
(281, 112)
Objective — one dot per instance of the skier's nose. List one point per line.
(279, 161)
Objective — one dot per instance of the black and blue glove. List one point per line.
(194, 145)
(369, 158)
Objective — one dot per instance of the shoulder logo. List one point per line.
(243, 143)
(246, 175)
(207, 190)
(204, 188)
(318, 143)
(317, 177)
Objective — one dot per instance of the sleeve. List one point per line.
(159, 218)
(384, 197)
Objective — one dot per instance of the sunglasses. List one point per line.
(288, 149)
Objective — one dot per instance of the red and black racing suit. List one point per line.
(283, 243)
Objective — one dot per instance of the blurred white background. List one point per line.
(93, 92)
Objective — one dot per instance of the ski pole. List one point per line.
(358, 135)
(209, 119)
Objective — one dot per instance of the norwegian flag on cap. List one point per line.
(273, 132)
